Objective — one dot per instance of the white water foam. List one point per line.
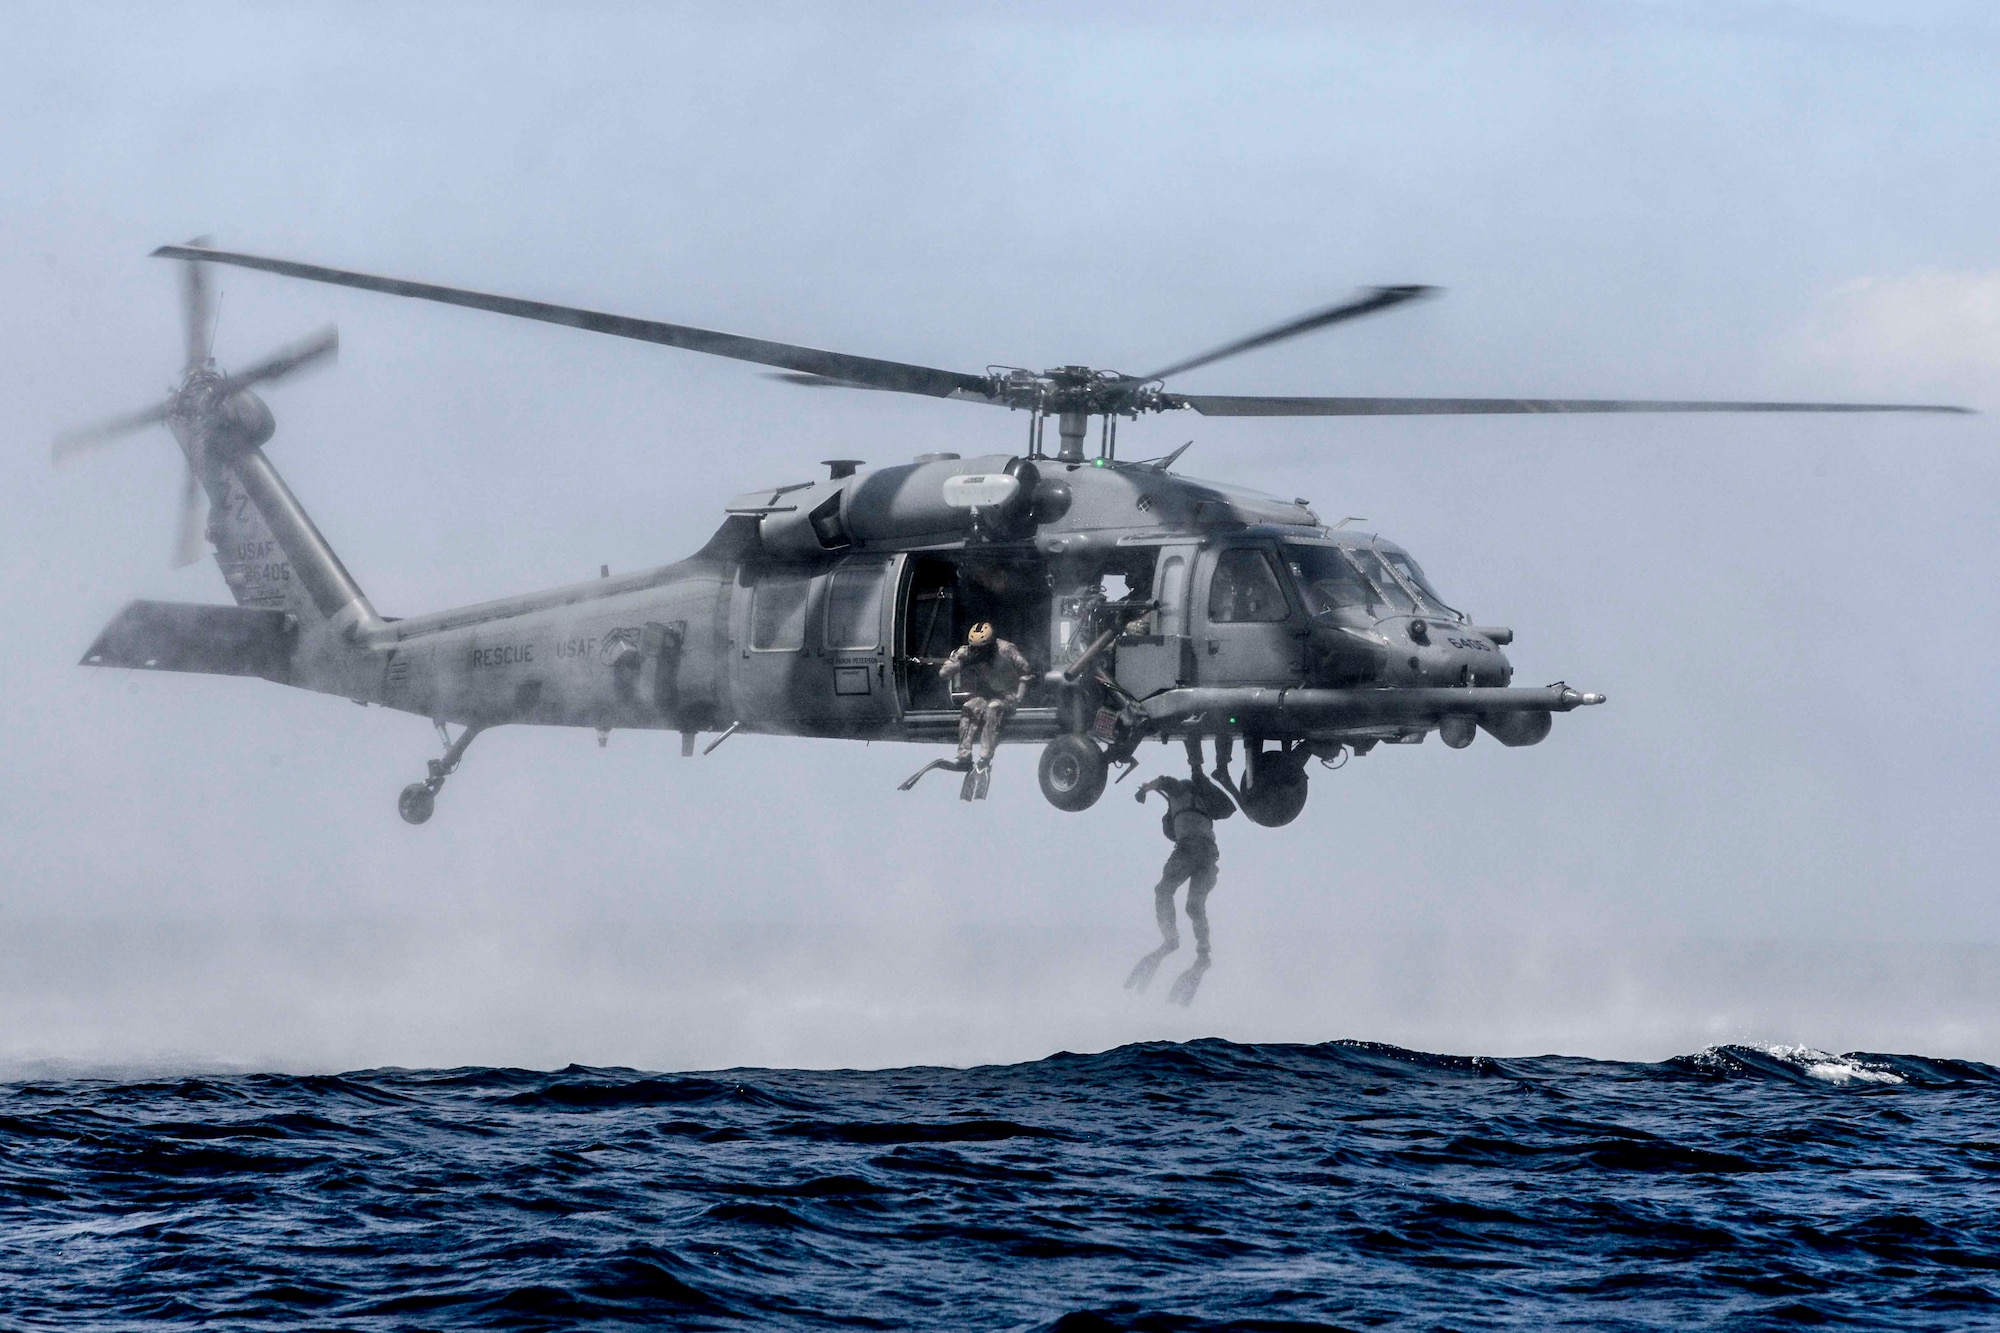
(1835, 1069)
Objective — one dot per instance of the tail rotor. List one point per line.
(212, 415)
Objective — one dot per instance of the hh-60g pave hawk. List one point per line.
(823, 607)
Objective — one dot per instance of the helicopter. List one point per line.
(1149, 604)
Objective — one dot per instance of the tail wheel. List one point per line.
(416, 803)
(1072, 772)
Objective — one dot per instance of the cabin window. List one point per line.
(854, 605)
(778, 614)
(1244, 588)
(1172, 571)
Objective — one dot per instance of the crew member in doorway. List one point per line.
(1193, 806)
(996, 678)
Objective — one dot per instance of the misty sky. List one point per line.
(1778, 829)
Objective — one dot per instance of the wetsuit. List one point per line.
(996, 677)
(1193, 861)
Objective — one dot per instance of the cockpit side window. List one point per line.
(1244, 588)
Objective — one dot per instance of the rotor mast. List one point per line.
(1073, 395)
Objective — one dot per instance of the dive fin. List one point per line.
(976, 780)
(1143, 970)
(949, 765)
(1187, 983)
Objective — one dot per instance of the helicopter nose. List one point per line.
(1442, 653)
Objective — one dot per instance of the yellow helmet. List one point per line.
(981, 634)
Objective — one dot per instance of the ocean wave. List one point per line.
(1195, 1185)
(1809, 1066)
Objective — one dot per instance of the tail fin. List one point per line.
(270, 553)
(217, 640)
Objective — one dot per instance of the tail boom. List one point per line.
(310, 581)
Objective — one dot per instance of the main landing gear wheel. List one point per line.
(1072, 772)
(1274, 789)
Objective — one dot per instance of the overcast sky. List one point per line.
(1778, 829)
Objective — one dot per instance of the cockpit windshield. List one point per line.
(1379, 583)
(1329, 581)
(1413, 575)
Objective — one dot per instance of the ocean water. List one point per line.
(1159, 1186)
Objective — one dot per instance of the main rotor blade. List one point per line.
(287, 360)
(71, 443)
(814, 381)
(188, 540)
(860, 370)
(1376, 298)
(197, 311)
(1228, 405)
(980, 395)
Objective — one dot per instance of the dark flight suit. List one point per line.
(1193, 862)
(996, 677)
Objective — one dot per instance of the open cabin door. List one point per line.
(931, 626)
(942, 595)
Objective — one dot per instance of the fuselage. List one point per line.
(822, 609)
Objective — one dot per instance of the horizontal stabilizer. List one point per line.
(179, 636)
